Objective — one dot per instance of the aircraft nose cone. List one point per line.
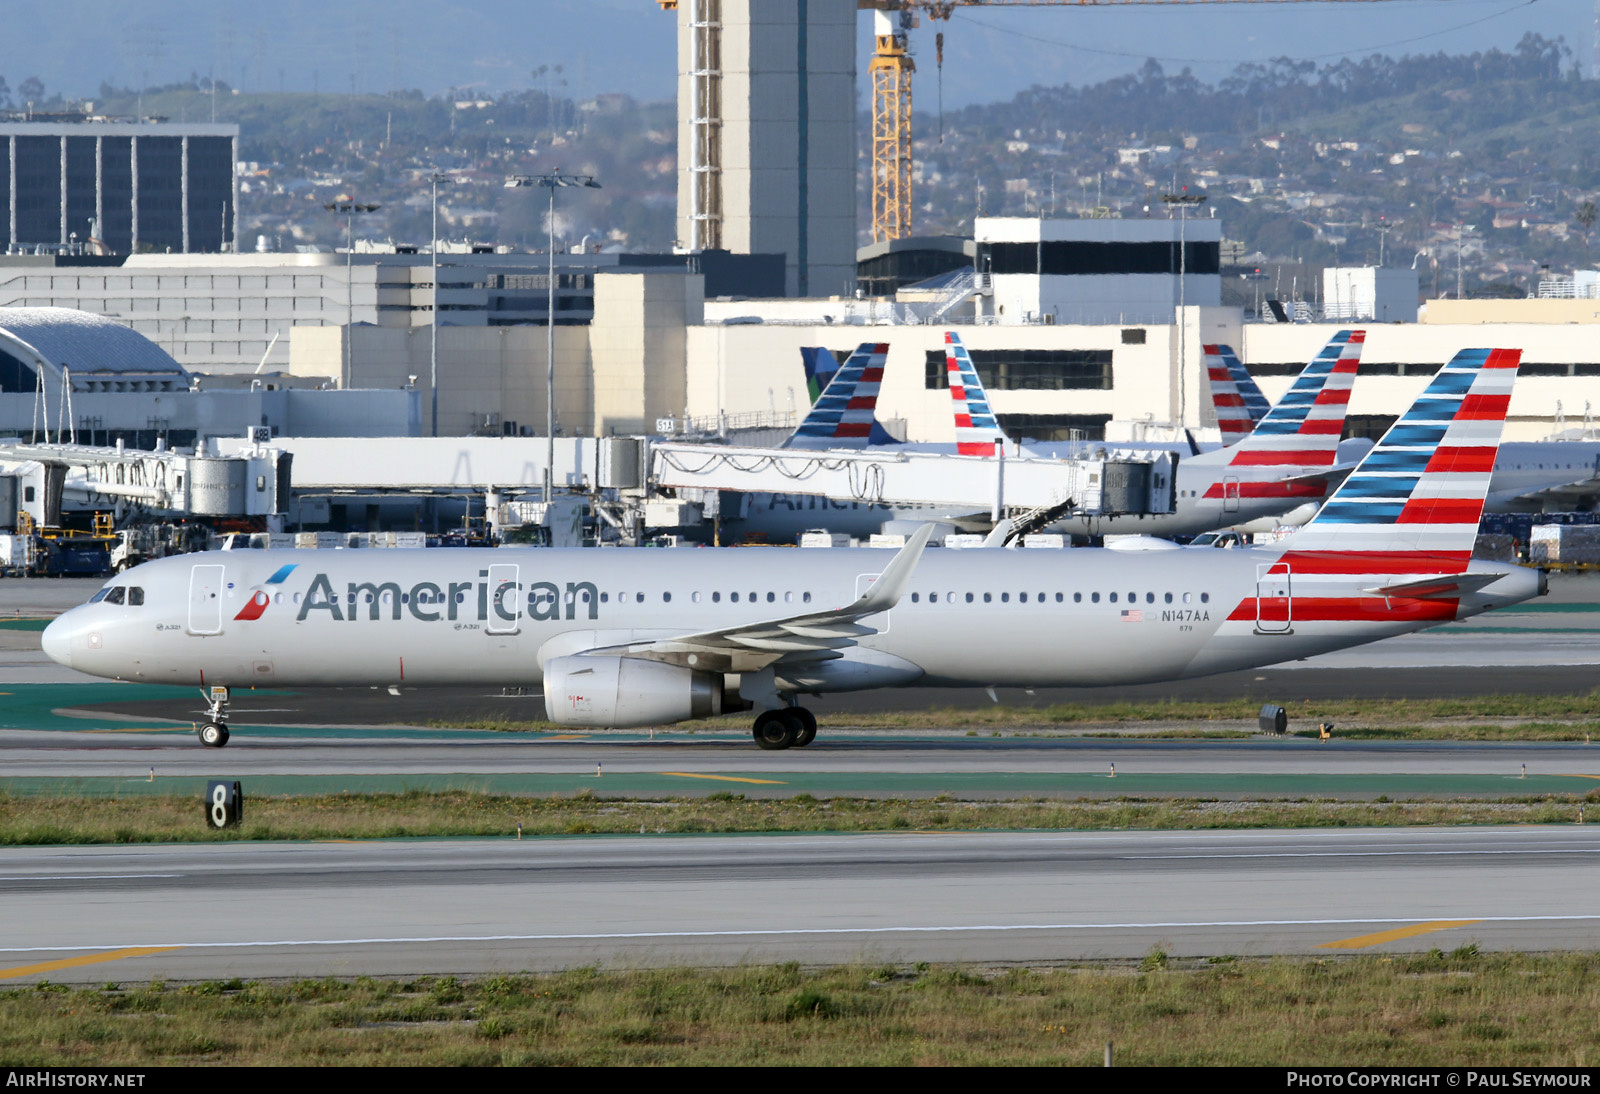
(57, 642)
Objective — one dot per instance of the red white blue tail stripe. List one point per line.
(1297, 438)
(1304, 428)
(1392, 548)
(1422, 487)
(977, 432)
(844, 415)
(1236, 396)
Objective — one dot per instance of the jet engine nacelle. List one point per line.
(621, 692)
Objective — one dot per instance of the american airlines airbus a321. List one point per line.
(633, 637)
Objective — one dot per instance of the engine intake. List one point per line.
(623, 692)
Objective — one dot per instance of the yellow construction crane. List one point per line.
(891, 68)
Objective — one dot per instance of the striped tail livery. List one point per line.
(1238, 401)
(977, 432)
(845, 414)
(1391, 551)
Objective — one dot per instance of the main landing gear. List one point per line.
(788, 727)
(214, 733)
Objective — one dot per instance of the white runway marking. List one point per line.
(87, 877)
(668, 936)
(1368, 854)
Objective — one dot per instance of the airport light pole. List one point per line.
(433, 326)
(349, 209)
(1184, 201)
(553, 181)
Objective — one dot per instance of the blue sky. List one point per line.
(627, 45)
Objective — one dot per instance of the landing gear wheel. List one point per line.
(214, 734)
(776, 729)
(808, 726)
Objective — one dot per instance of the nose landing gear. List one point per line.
(789, 727)
(214, 733)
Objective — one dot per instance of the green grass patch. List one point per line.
(24, 624)
(37, 820)
(1536, 717)
(1458, 1009)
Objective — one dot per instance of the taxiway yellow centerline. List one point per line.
(724, 778)
(86, 959)
(1361, 942)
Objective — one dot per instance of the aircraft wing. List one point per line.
(810, 636)
(1438, 586)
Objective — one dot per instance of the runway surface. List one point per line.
(126, 914)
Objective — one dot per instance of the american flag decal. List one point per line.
(1133, 615)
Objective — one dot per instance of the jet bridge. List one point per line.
(1103, 485)
(76, 476)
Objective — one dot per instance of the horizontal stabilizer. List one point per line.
(1447, 586)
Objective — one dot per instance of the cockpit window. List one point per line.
(135, 596)
(115, 594)
(99, 596)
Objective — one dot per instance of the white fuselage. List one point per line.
(985, 617)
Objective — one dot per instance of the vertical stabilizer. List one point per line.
(844, 415)
(977, 431)
(1234, 393)
(1413, 504)
(1303, 430)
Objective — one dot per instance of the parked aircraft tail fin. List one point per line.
(845, 414)
(1303, 429)
(977, 430)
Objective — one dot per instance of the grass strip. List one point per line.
(35, 821)
(1557, 713)
(1462, 1008)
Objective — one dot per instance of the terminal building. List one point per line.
(118, 185)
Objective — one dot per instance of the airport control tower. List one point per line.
(767, 135)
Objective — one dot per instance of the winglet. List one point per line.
(886, 592)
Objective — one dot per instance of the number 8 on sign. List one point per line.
(224, 804)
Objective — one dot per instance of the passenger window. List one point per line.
(734, 597)
(1005, 598)
(788, 598)
(716, 598)
(1094, 598)
(1149, 598)
(988, 597)
(1169, 598)
(949, 598)
(666, 598)
(605, 598)
(695, 597)
(115, 595)
(1024, 597)
(135, 596)
(806, 597)
(1077, 598)
(638, 598)
(915, 598)
(1205, 598)
(1186, 597)
(1113, 598)
(969, 598)
(771, 597)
